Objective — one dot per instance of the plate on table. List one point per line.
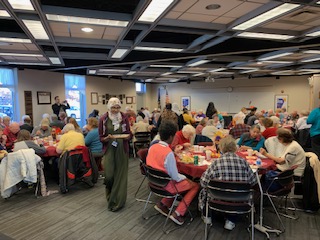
(121, 135)
(258, 154)
(251, 157)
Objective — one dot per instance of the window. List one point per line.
(140, 87)
(7, 99)
(75, 95)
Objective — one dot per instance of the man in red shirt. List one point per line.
(12, 133)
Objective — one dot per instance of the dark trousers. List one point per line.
(315, 144)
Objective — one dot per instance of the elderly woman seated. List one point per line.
(210, 129)
(24, 142)
(44, 130)
(184, 138)
(252, 139)
(292, 155)
(228, 167)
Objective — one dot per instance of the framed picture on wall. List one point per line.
(129, 100)
(280, 101)
(94, 98)
(44, 97)
(186, 102)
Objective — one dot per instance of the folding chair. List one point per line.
(158, 180)
(143, 140)
(142, 155)
(229, 197)
(285, 179)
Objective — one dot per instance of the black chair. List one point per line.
(285, 179)
(142, 155)
(229, 197)
(303, 137)
(158, 180)
(143, 140)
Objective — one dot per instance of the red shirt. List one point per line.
(179, 139)
(270, 132)
(11, 138)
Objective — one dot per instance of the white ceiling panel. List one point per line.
(197, 17)
(242, 9)
(225, 6)
(174, 15)
(184, 5)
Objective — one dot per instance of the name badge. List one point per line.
(114, 143)
(124, 127)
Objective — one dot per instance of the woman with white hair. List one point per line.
(184, 138)
(210, 129)
(116, 151)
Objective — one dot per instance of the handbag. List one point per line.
(270, 175)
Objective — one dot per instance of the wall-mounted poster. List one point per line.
(280, 101)
(186, 102)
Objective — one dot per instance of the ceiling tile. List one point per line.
(277, 25)
(112, 33)
(110, 37)
(184, 5)
(200, 7)
(315, 23)
(42, 59)
(302, 27)
(197, 17)
(223, 20)
(14, 46)
(173, 15)
(97, 33)
(60, 29)
(26, 59)
(31, 47)
(242, 9)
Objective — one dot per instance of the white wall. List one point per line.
(260, 91)
(35, 80)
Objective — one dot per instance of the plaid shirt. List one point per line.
(238, 130)
(229, 167)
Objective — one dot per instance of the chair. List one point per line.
(142, 155)
(158, 180)
(142, 140)
(230, 197)
(77, 165)
(302, 136)
(285, 180)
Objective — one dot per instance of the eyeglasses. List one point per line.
(117, 108)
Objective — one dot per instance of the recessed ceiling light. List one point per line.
(213, 6)
(158, 49)
(4, 13)
(36, 28)
(154, 10)
(265, 35)
(21, 4)
(119, 53)
(275, 12)
(94, 21)
(15, 40)
(87, 29)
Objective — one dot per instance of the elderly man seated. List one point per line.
(44, 130)
(12, 133)
(26, 123)
(229, 167)
(70, 139)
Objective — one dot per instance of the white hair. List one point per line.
(189, 129)
(68, 127)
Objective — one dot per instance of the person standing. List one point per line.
(116, 154)
(314, 119)
(211, 109)
(57, 107)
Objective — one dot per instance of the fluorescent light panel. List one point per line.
(114, 70)
(165, 66)
(278, 62)
(154, 10)
(166, 74)
(217, 70)
(55, 60)
(92, 71)
(251, 70)
(4, 13)
(21, 54)
(174, 80)
(275, 56)
(266, 16)
(119, 53)
(149, 80)
(21, 4)
(158, 49)
(36, 29)
(187, 71)
(94, 21)
(311, 59)
(131, 72)
(312, 51)
(265, 36)
(197, 63)
(197, 74)
(15, 40)
(313, 34)
(26, 63)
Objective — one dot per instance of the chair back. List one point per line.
(158, 180)
(142, 154)
(303, 138)
(285, 178)
(143, 140)
(230, 196)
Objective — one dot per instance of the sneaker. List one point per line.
(161, 208)
(206, 220)
(229, 225)
(177, 219)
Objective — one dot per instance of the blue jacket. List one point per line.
(314, 119)
(92, 141)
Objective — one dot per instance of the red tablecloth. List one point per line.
(197, 171)
(51, 152)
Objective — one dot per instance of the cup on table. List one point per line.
(196, 148)
(201, 148)
(201, 159)
(58, 137)
(50, 143)
(250, 152)
(208, 154)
